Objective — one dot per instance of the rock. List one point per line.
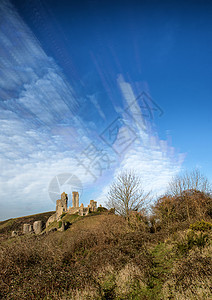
(63, 226)
(14, 233)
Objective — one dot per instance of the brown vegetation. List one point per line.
(165, 255)
(33, 267)
(6, 227)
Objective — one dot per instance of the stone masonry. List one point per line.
(75, 199)
(27, 228)
(61, 207)
(37, 227)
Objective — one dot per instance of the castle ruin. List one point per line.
(62, 207)
(81, 210)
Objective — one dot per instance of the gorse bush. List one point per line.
(201, 226)
(190, 240)
(172, 211)
(102, 209)
(102, 257)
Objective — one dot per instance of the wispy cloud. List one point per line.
(152, 158)
(95, 102)
(39, 127)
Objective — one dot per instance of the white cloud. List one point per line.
(41, 133)
(38, 124)
(151, 158)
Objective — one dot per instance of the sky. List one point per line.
(91, 88)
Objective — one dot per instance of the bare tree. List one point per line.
(187, 186)
(189, 181)
(126, 194)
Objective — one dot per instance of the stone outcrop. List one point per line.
(36, 228)
(14, 233)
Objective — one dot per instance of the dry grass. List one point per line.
(6, 227)
(61, 264)
(101, 257)
(191, 277)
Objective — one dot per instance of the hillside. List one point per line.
(7, 226)
(101, 256)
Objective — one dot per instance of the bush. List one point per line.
(190, 277)
(112, 211)
(60, 224)
(192, 239)
(201, 226)
(101, 209)
(63, 214)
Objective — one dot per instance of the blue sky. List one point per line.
(90, 89)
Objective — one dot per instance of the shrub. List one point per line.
(63, 214)
(190, 278)
(201, 226)
(112, 211)
(60, 224)
(60, 265)
(101, 209)
(190, 240)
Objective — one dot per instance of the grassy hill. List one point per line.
(101, 256)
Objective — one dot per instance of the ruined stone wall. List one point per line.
(27, 228)
(84, 211)
(73, 210)
(92, 205)
(51, 219)
(64, 201)
(61, 207)
(37, 227)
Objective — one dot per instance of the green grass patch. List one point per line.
(53, 225)
(71, 218)
(161, 267)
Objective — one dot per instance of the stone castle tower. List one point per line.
(75, 199)
(61, 205)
